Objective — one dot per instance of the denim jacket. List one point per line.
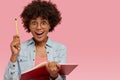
(26, 59)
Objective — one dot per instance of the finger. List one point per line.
(47, 65)
(16, 38)
(58, 66)
(16, 43)
(50, 64)
(18, 47)
(51, 67)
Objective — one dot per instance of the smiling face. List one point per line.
(39, 28)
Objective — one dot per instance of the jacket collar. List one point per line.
(49, 42)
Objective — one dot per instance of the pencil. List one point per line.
(16, 23)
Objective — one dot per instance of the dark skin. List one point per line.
(40, 42)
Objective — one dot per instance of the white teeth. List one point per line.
(39, 32)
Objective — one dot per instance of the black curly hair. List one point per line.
(40, 8)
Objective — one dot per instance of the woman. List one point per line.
(39, 18)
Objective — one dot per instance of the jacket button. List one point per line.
(20, 60)
(13, 65)
(48, 52)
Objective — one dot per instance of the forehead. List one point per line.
(39, 18)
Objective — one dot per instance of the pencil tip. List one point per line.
(15, 18)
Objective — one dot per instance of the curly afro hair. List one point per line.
(40, 8)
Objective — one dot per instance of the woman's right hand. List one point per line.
(15, 48)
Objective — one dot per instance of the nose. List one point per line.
(39, 26)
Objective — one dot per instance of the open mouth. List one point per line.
(39, 34)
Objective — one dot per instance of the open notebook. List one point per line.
(40, 71)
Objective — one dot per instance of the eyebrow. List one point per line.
(41, 19)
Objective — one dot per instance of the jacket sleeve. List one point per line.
(61, 54)
(62, 59)
(12, 71)
(60, 77)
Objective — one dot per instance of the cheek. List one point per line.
(47, 30)
(32, 31)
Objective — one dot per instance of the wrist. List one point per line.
(53, 77)
(13, 58)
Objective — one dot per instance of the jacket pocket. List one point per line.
(23, 62)
(22, 58)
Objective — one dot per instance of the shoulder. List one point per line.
(27, 43)
(55, 44)
(26, 46)
(58, 44)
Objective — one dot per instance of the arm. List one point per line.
(12, 69)
(60, 77)
(62, 59)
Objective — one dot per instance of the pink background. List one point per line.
(90, 29)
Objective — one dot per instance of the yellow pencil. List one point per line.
(16, 23)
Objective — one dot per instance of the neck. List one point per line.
(41, 43)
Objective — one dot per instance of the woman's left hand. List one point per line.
(53, 69)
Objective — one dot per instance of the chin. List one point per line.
(40, 39)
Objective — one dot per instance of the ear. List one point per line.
(49, 27)
(29, 30)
